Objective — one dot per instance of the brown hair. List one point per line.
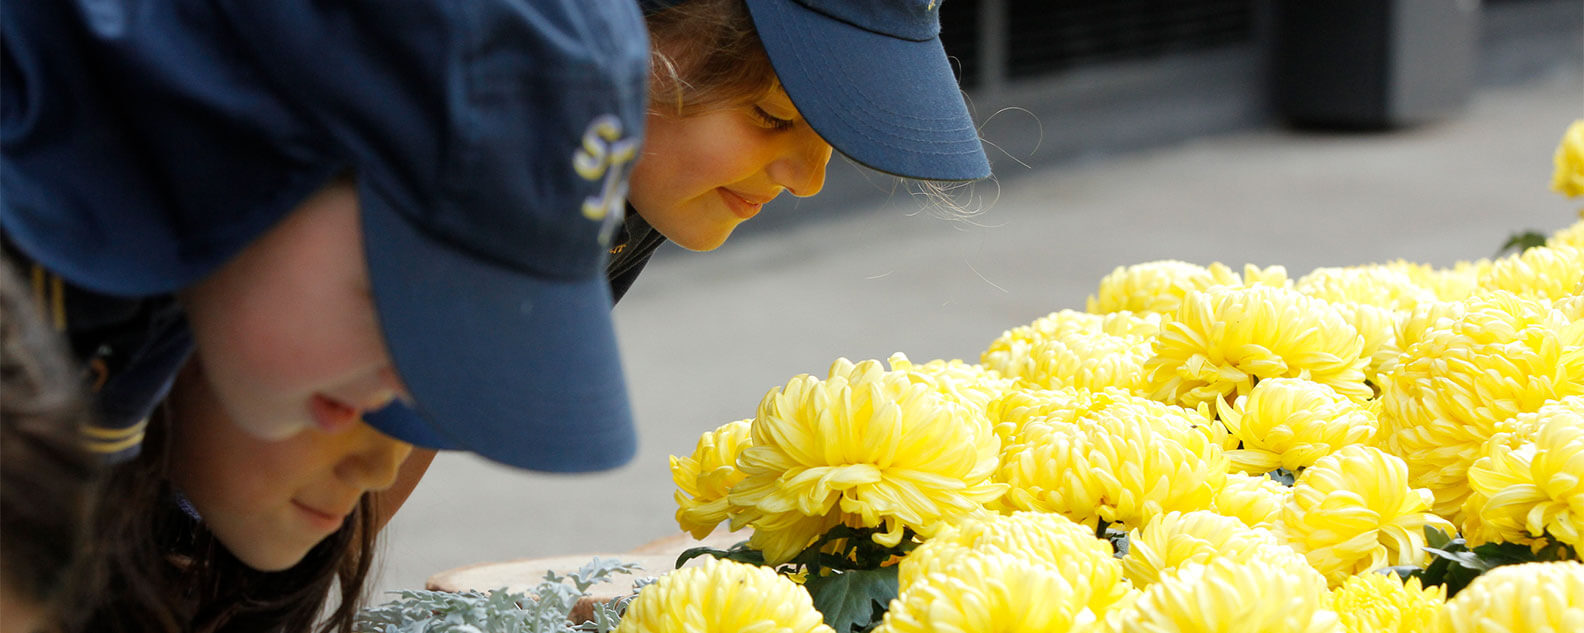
(168, 573)
(706, 54)
(46, 477)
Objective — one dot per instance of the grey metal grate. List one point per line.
(1047, 36)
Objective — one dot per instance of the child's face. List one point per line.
(702, 175)
(270, 502)
(286, 330)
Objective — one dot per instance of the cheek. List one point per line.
(685, 158)
(228, 475)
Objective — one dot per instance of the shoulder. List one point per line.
(126, 351)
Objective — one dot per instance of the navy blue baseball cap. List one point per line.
(147, 143)
(872, 78)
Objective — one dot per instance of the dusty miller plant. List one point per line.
(543, 609)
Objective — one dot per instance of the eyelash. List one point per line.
(772, 122)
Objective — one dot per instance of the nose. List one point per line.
(801, 168)
(372, 459)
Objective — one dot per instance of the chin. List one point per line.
(269, 560)
(701, 243)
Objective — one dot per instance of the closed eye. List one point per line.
(771, 121)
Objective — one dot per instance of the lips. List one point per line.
(741, 205)
(320, 520)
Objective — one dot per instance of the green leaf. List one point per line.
(1434, 537)
(1522, 241)
(853, 601)
(1494, 555)
(1402, 572)
(1462, 557)
(740, 553)
(1282, 476)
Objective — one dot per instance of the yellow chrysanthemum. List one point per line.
(1247, 596)
(1384, 603)
(1290, 422)
(1087, 361)
(1523, 493)
(722, 596)
(1012, 345)
(990, 592)
(1572, 235)
(1410, 328)
(1174, 540)
(1078, 349)
(973, 386)
(865, 448)
(1039, 537)
(1378, 328)
(1124, 463)
(1353, 512)
(1016, 407)
(1572, 306)
(1381, 286)
(1256, 501)
(1371, 299)
(1221, 341)
(1449, 284)
(704, 478)
(1543, 272)
(1503, 356)
(1524, 598)
(1156, 287)
(1568, 176)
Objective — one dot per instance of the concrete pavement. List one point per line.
(704, 336)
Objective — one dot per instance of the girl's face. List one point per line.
(701, 175)
(286, 330)
(270, 502)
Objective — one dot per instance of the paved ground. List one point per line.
(705, 336)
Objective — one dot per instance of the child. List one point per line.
(46, 479)
(147, 145)
(211, 528)
(750, 96)
(463, 166)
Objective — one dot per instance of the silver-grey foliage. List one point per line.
(543, 609)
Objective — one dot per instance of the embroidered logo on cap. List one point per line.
(605, 154)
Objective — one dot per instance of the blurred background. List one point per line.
(1278, 132)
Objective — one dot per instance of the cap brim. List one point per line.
(889, 103)
(518, 369)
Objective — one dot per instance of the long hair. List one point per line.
(161, 570)
(46, 477)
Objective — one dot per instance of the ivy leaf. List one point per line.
(853, 601)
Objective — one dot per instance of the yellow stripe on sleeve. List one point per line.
(105, 434)
(114, 447)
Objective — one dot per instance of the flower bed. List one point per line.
(1384, 447)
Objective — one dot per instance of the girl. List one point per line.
(749, 97)
(212, 528)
